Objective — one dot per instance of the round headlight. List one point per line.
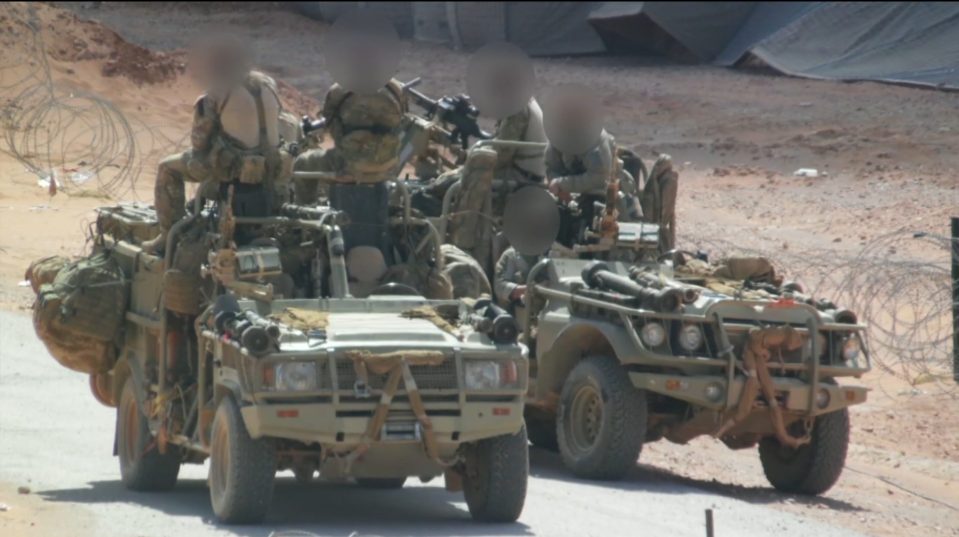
(296, 376)
(822, 398)
(653, 334)
(821, 343)
(691, 337)
(714, 391)
(851, 349)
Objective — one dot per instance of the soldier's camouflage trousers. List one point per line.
(169, 192)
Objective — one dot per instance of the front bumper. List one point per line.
(343, 425)
(715, 392)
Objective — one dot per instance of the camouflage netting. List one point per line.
(79, 309)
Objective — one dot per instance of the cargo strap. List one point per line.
(758, 350)
(396, 365)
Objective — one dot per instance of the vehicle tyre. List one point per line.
(381, 483)
(542, 434)
(602, 420)
(814, 467)
(242, 469)
(494, 478)
(142, 466)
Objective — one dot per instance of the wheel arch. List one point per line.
(574, 343)
(225, 388)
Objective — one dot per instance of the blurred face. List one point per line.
(500, 79)
(220, 61)
(573, 119)
(362, 53)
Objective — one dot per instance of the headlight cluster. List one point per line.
(690, 336)
(291, 377)
(653, 334)
(490, 374)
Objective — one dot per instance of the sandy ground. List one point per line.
(737, 137)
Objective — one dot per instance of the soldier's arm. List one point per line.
(598, 164)
(331, 104)
(205, 113)
(511, 128)
(502, 287)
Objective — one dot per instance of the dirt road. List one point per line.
(56, 440)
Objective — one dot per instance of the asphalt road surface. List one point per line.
(56, 439)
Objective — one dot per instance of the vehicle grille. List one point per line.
(427, 377)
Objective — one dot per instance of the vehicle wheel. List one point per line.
(602, 420)
(382, 483)
(242, 469)
(142, 466)
(494, 477)
(542, 434)
(812, 468)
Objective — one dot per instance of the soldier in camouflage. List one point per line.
(522, 166)
(235, 136)
(587, 173)
(510, 276)
(367, 130)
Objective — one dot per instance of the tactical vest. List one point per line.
(367, 129)
(242, 150)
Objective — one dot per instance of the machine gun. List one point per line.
(457, 111)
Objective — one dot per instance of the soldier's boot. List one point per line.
(169, 201)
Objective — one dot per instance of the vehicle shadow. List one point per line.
(320, 508)
(547, 465)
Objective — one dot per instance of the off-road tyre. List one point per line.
(495, 476)
(601, 423)
(814, 467)
(242, 470)
(542, 434)
(381, 483)
(142, 466)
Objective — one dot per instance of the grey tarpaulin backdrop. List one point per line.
(914, 43)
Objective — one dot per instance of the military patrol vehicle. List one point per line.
(628, 353)
(245, 344)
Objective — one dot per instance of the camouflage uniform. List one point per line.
(512, 269)
(226, 147)
(587, 173)
(524, 166)
(367, 132)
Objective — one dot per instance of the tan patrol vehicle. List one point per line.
(257, 357)
(625, 354)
